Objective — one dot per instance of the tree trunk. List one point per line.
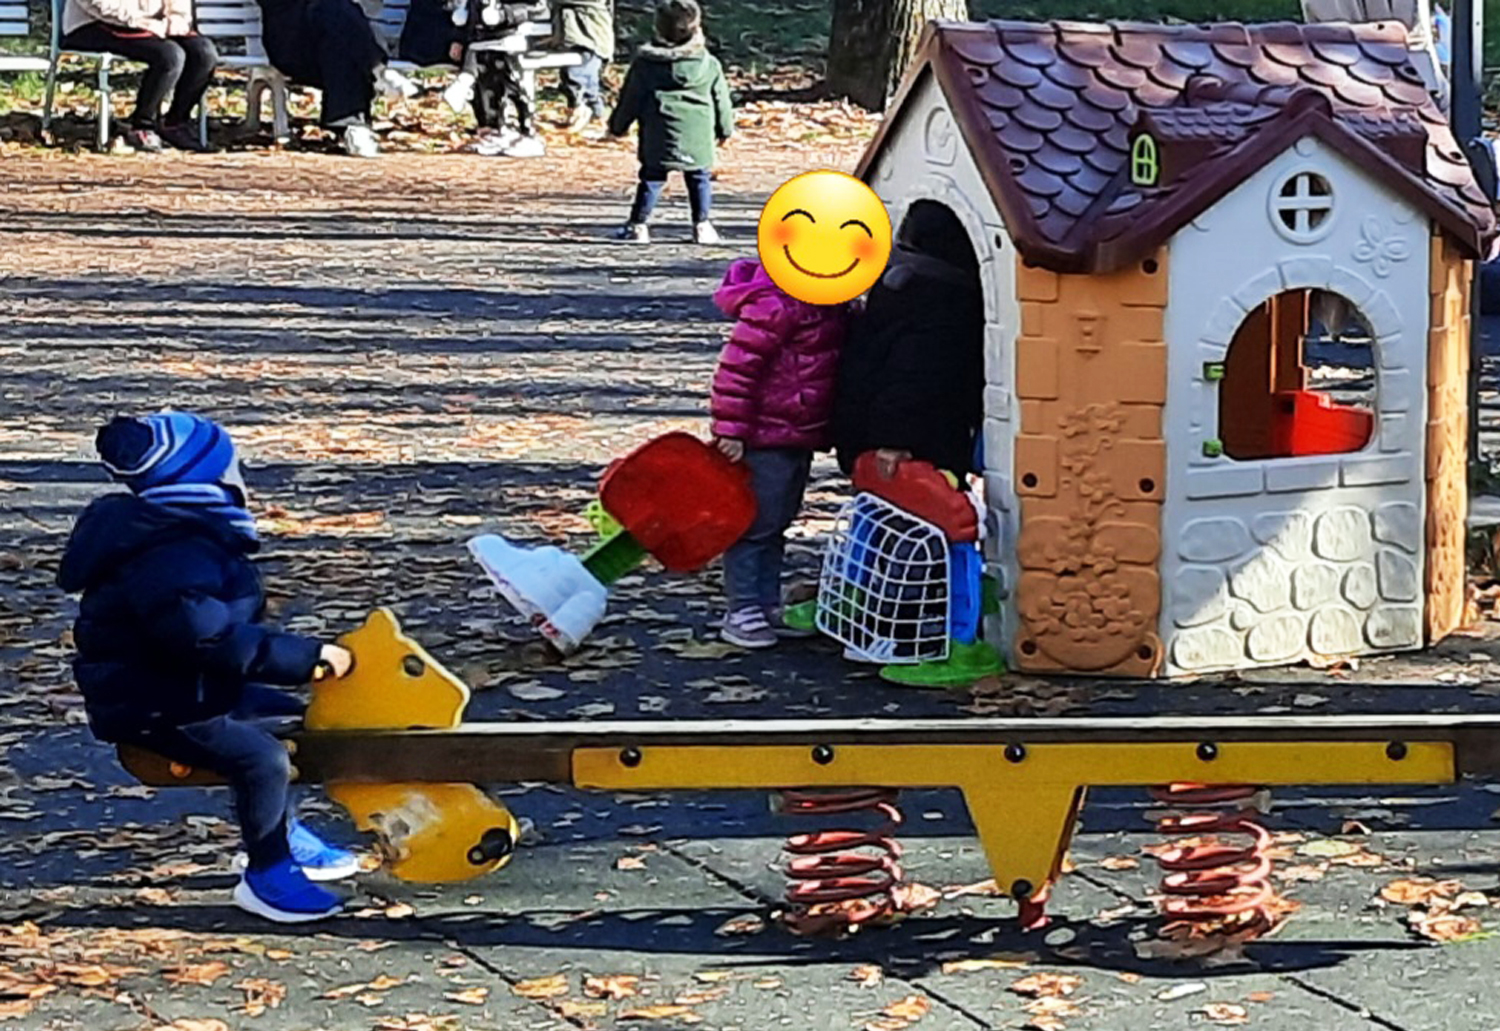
(872, 42)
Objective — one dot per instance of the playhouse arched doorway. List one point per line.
(934, 241)
(1298, 379)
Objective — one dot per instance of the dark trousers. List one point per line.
(654, 180)
(329, 45)
(496, 83)
(752, 566)
(580, 83)
(181, 65)
(242, 747)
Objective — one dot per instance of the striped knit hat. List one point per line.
(176, 458)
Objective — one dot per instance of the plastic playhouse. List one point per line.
(1156, 212)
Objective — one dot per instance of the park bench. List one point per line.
(236, 25)
(15, 22)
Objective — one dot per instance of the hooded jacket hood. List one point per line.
(118, 527)
(689, 64)
(745, 281)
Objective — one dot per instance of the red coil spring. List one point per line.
(1210, 881)
(841, 878)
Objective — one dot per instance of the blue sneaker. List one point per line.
(318, 859)
(284, 894)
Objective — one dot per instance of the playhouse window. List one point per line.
(1301, 206)
(1299, 379)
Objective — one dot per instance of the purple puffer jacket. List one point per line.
(775, 381)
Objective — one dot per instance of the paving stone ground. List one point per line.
(415, 350)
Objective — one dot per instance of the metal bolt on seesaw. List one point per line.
(388, 743)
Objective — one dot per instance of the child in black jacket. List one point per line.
(171, 653)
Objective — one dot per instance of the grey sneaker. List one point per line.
(635, 232)
(747, 628)
(704, 232)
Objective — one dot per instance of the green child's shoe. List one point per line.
(965, 664)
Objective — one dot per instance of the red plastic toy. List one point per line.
(921, 489)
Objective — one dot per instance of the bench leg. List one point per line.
(255, 89)
(104, 103)
(50, 95)
(281, 123)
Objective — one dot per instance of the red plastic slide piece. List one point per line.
(681, 499)
(1309, 423)
(921, 489)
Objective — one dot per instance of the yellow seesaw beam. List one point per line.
(1022, 779)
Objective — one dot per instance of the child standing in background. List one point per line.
(677, 91)
(771, 403)
(171, 652)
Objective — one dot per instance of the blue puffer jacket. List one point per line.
(167, 630)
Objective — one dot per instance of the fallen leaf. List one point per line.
(260, 995)
(384, 982)
(400, 911)
(740, 925)
(195, 1024)
(1041, 985)
(1328, 848)
(1261, 996)
(531, 691)
(610, 986)
(966, 966)
(474, 996)
(542, 987)
(986, 888)
(1443, 927)
(1120, 863)
(1419, 891)
(662, 1011)
(913, 1007)
(630, 863)
(197, 973)
(570, 1008)
(1225, 1013)
(704, 649)
(867, 976)
(1180, 991)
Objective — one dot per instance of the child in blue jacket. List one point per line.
(171, 653)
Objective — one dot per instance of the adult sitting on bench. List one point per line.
(177, 59)
(329, 45)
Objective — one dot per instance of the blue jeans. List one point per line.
(580, 83)
(242, 747)
(752, 566)
(654, 180)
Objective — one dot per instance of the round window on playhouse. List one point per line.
(1302, 207)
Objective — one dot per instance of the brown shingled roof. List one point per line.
(1048, 111)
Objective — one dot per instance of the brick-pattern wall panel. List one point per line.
(1091, 376)
(1447, 438)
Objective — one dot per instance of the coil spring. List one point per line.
(1211, 881)
(839, 879)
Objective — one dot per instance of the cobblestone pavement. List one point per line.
(415, 350)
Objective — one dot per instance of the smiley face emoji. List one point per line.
(824, 237)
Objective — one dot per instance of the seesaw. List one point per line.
(388, 743)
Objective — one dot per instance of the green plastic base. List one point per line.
(965, 664)
(613, 557)
(802, 616)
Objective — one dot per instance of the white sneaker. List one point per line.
(395, 85)
(704, 232)
(360, 142)
(492, 143)
(526, 147)
(460, 92)
(633, 232)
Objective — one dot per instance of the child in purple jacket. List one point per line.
(772, 402)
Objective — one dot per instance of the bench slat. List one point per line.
(14, 28)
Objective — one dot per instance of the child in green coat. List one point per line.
(676, 90)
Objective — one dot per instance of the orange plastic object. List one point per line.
(921, 489)
(1308, 423)
(681, 499)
